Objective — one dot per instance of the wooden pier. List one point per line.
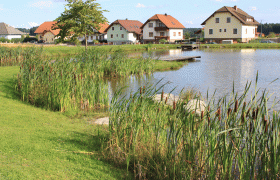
(189, 46)
(179, 58)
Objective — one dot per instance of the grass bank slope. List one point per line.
(39, 144)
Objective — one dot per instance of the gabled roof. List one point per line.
(237, 13)
(103, 27)
(5, 29)
(129, 25)
(47, 27)
(169, 21)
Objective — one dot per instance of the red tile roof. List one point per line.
(129, 25)
(167, 20)
(236, 12)
(47, 26)
(103, 27)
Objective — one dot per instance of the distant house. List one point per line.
(162, 26)
(230, 23)
(258, 34)
(124, 31)
(46, 32)
(199, 33)
(99, 35)
(8, 32)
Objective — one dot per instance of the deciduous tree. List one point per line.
(80, 18)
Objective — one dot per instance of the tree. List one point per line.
(271, 35)
(80, 19)
(187, 35)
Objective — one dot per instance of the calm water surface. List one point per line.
(216, 70)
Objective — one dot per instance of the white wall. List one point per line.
(117, 35)
(250, 31)
(10, 36)
(147, 30)
(177, 37)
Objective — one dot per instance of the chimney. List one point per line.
(165, 14)
(235, 7)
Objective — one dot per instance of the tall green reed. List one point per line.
(236, 137)
(75, 83)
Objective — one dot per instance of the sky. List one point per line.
(191, 13)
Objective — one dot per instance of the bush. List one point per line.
(3, 40)
(238, 40)
(163, 41)
(29, 39)
(95, 41)
(271, 35)
(16, 40)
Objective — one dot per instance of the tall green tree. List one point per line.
(80, 18)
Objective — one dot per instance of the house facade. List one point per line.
(8, 32)
(124, 31)
(45, 32)
(230, 23)
(162, 26)
(99, 35)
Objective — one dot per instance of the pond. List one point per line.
(216, 70)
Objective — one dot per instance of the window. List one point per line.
(161, 33)
(122, 35)
(113, 28)
(151, 34)
(161, 24)
(174, 33)
(253, 31)
(151, 25)
(235, 31)
(217, 20)
(91, 37)
(179, 33)
(112, 36)
(97, 38)
(117, 35)
(220, 30)
(228, 19)
(225, 30)
(120, 28)
(210, 31)
(246, 31)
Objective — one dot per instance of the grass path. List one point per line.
(39, 144)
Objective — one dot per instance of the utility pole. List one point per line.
(261, 28)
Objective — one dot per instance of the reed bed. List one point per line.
(15, 56)
(74, 84)
(235, 138)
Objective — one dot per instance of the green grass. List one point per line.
(166, 65)
(242, 45)
(40, 144)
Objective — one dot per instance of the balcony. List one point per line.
(157, 38)
(161, 29)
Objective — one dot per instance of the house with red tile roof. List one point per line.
(162, 26)
(124, 31)
(230, 23)
(46, 32)
(99, 35)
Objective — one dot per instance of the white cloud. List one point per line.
(33, 24)
(42, 4)
(253, 8)
(140, 5)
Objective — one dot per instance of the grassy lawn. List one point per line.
(40, 144)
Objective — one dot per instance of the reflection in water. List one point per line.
(217, 70)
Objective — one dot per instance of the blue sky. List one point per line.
(29, 13)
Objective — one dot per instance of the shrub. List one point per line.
(95, 41)
(238, 40)
(16, 40)
(163, 41)
(29, 39)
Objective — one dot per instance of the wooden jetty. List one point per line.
(179, 58)
(189, 46)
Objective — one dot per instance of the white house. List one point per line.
(124, 31)
(162, 26)
(8, 32)
(229, 23)
(99, 35)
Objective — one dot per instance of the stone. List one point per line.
(195, 105)
(170, 98)
(102, 121)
